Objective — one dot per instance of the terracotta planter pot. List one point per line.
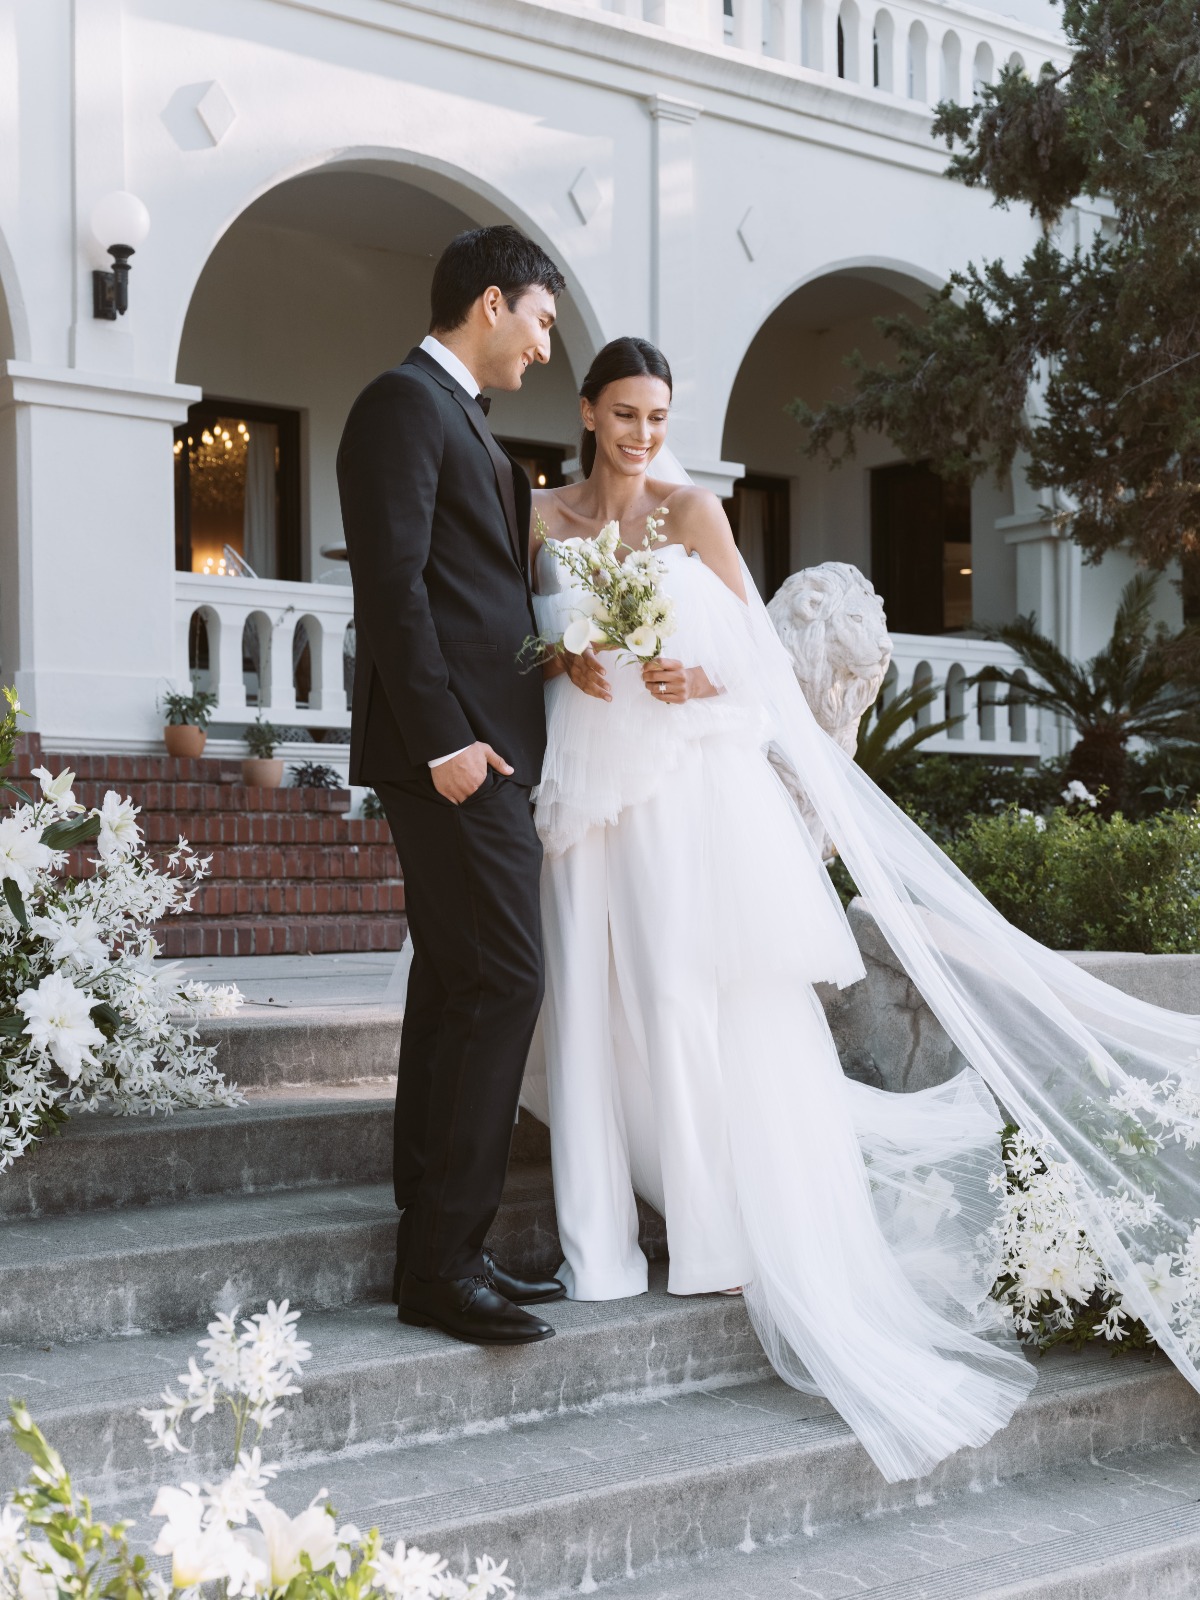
(260, 774)
(182, 739)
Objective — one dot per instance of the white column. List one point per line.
(94, 621)
(748, 26)
(866, 47)
(829, 27)
(703, 18)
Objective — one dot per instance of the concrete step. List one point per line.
(306, 1044)
(374, 1383)
(277, 1142)
(1123, 1528)
(169, 1266)
(582, 1500)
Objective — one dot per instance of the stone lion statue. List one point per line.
(832, 625)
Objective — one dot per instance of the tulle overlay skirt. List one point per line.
(685, 1057)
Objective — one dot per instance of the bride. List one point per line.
(685, 1057)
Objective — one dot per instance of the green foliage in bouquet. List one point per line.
(1076, 881)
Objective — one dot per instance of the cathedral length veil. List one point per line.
(1104, 1083)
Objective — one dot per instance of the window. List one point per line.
(237, 490)
(921, 548)
(760, 516)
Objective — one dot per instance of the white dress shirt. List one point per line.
(449, 362)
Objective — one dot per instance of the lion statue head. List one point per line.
(832, 625)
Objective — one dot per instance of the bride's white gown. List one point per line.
(686, 1057)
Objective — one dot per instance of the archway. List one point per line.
(873, 511)
(318, 285)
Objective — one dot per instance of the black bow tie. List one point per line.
(484, 402)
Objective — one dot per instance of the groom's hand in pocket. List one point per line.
(456, 780)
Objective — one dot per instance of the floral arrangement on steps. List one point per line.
(87, 1015)
(51, 1544)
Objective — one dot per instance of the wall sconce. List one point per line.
(120, 223)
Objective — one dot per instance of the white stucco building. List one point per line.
(748, 183)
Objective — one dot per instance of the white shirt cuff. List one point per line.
(442, 760)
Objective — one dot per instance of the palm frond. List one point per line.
(876, 754)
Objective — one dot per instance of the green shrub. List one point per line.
(1075, 881)
(944, 793)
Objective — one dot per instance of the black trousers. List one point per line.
(471, 887)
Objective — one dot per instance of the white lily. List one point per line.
(58, 1019)
(643, 641)
(119, 832)
(22, 853)
(580, 633)
(285, 1539)
(57, 791)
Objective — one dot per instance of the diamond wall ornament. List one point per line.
(215, 110)
(749, 235)
(584, 195)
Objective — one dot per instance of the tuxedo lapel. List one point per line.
(502, 466)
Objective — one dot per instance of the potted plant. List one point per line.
(261, 768)
(188, 717)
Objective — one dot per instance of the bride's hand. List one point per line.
(586, 673)
(669, 681)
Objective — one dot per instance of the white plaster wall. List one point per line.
(293, 319)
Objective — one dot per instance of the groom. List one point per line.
(451, 735)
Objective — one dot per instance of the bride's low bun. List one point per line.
(626, 357)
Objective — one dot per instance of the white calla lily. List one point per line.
(643, 641)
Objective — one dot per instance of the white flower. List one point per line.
(643, 641)
(119, 833)
(1160, 1285)
(57, 791)
(408, 1573)
(75, 938)
(284, 1539)
(201, 1550)
(608, 538)
(58, 1019)
(12, 1524)
(580, 633)
(489, 1579)
(22, 852)
(1079, 793)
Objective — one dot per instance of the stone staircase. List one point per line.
(291, 872)
(644, 1453)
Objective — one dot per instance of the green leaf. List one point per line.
(5, 783)
(12, 1025)
(69, 832)
(16, 902)
(106, 1018)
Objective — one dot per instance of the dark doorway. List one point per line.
(921, 548)
(760, 514)
(237, 488)
(542, 462)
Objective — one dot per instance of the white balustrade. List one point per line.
(922, 50)
(989, 727)
(252, 649)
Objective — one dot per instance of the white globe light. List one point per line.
(120, 218)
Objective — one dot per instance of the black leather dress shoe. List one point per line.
(521, 1291)
(468, 1309)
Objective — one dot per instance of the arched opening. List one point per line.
(883, 47)
(848, 25)
(256, 659)
(1018, 720)
(919, 540)
(918, 53)
(984, 68)
(315, 288)
(923, 679)
(204, 648)
(951, 65)
(1016, 62)
(956, 701)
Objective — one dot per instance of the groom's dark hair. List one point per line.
(474, 261)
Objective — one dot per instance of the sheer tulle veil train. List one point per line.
(1075, 1062)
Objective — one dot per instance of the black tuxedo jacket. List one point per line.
(438, 547)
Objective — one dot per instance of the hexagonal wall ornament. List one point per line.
(215, 110)
(748, 233)
(584, 195)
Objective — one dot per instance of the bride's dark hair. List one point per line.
(621, 358)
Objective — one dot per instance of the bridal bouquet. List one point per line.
(86, 1011)
(623, 605)
(51, 1545)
